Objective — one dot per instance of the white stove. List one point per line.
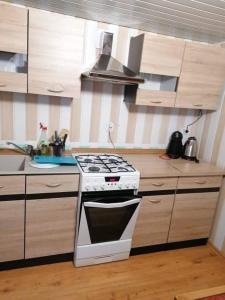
(106, 172)
(108, 209)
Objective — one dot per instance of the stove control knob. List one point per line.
(127, 186)
(120, 186)
(102, 188)
(87, 188)
(95, 188)
(134, 186)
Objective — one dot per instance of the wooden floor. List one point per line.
(145, 277)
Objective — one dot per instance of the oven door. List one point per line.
(106, 219)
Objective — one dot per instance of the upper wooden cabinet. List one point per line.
(13, 48)
(156, 54)
(202, 76)
(13, 28)
(55, 54)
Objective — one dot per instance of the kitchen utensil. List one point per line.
(175, 147)
(191, 149)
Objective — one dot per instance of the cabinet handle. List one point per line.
(57, 89)
(158, 184)
(1, 186)
(197, 105)
(53, 185)
(155, 201)
(199, 182)
(156, 102)
(2, 85)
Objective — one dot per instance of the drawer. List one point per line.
(52, 183)
(154, 184)
(12, 185)
(199, 182)
(13, 82)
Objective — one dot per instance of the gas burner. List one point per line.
(111, 159)
(94, 169)
(87, 160)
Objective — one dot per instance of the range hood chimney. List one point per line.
(109, 69)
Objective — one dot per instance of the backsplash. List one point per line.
(88, 119)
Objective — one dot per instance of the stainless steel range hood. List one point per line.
(108, 69)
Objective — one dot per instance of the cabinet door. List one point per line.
(55, 54)
(202, 76)
(50, 226)
(155, 98)
(162, 55)
(12, 230)
(192, 216)
(153, 221)
(13, 28)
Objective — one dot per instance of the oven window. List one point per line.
(108, 224)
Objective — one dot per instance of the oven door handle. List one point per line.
(112, 205)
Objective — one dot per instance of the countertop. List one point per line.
(149, 165)
(153, 166)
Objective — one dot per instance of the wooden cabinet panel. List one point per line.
(202, 76)
(155, 98)
(11, 185)
(13, 28)
(154, 184)
(153, 221)
(199, 182)
(192, 216)
(13, 82)
(52, 184)
(50, 226)
(12, 230)
(162, 55)
(55, 54)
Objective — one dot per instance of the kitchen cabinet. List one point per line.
(12, 211)
(50, 226)
(13, 48)
(192, 216)
(50, 214)
(153, 221)
(194, 207)
(55, 54)
(202, 76)
(156, 54)
(159, 60)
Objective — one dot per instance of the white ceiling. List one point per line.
(202, 20)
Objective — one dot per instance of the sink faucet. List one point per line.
(27, 150)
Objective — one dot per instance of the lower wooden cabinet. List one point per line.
(192, 216)
(153, 221)
(12, 230)
(50, 226)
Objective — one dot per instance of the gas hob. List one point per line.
(103, 164)
(106, 172)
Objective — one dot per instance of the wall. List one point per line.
(88, 118)
(213, 150)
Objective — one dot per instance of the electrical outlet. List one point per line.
(111, 126)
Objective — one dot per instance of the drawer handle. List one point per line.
(158, 184)
(155, 201)
(200, 182)
(198, 105)
(53, 185)
(2, 85)
(156, 102)
(1, 186)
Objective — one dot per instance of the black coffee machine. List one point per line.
(175, 146)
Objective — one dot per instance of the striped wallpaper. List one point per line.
(88, 118)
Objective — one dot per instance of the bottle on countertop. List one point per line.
(43, 144)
